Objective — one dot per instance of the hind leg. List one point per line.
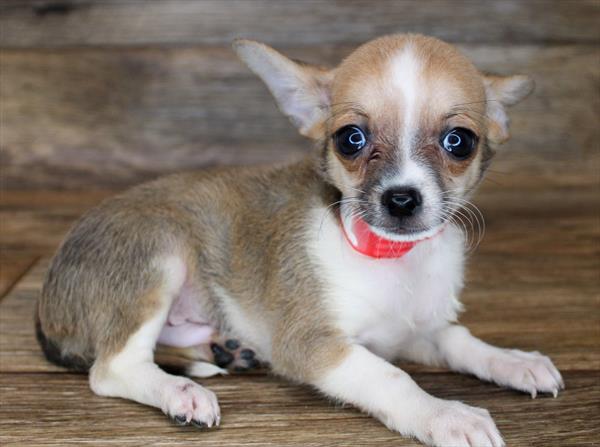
(132, 374)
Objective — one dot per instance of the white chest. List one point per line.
(380, 303)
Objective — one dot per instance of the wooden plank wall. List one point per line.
(97, 94)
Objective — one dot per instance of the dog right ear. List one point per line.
(301, 90)
(502, 92)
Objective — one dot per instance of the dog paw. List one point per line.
(186, 402)
(455, 424)
(530, 372)
(232, 355)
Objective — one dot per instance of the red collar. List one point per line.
(365, 241)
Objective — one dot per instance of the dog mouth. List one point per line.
(408, 234)
(392, 231)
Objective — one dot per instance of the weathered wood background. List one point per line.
(108, 93)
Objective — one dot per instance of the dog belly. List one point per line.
(187, 324)
(186, 335)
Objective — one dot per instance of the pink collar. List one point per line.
(365, 241)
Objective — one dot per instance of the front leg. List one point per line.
(387, 392)
(455, 347)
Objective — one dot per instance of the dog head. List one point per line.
(405, 123)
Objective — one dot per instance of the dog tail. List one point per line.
(54, 353)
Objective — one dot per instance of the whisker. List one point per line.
(469, 211)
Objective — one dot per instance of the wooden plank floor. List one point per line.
(533, 284)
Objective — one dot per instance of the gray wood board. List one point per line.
(34, 23)
(98, 117)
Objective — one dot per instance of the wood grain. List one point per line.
(90, 118)
(60, 409)
(34, 222)
(146, 111)
(35, 23)
(13, 265)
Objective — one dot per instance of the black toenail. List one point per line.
(198, 424)
(232, 344)
(247, 354)
(222, 357)
(180, 420)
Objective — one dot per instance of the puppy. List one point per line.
(327, 269)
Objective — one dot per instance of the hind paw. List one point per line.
(233, 356)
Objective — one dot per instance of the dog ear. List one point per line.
(302, 91)
(500, 93)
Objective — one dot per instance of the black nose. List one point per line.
(402, 202)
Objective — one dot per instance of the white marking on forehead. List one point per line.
(406, 78)
(412, 174)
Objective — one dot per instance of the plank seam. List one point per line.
(19, 277)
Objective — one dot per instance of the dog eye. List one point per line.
(349, 140)
(459, 142)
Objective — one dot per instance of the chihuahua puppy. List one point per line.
(327, 269)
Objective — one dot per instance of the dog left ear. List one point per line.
(301, 90)
(500, 93)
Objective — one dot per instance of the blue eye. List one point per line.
(349, 140)
(459, 142)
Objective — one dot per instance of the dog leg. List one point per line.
(132, 374)
(388, 393)
(455, 347)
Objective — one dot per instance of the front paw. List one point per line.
(525, 371)
(453, 423)
(186, 402)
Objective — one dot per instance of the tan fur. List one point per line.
(257, 257)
